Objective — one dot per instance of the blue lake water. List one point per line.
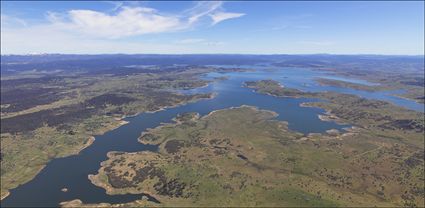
(72, 172)
(304, 79)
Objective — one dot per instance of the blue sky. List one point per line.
(275, 27)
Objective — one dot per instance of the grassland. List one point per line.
(403, 124)
(242, 157)
(49, 116)
(232, 157)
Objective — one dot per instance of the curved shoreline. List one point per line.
(5, 195)
(92, 139)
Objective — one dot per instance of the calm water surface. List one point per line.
(304, 79)
(72, 172)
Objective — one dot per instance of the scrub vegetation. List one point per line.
(54, 116)
(241, 156)
(53, 105)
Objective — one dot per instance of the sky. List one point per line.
(235, 27)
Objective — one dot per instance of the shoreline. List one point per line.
(212, 95)
(87, 144)
(38, 171)
(256, 90)
(242, 106)
(110, 190)
(329, 117)
(406, 98)
(5, 195)
(92, 138)
(274, 115)
(326, 116)
(344, 84)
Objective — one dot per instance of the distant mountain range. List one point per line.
(66, 62)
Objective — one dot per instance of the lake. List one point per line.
(72, 172)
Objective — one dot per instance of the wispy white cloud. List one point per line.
(42, 39)
(221, 16)
(89, 30)
(137, 20)
(127, 22)
(201, 9)
(117, 5)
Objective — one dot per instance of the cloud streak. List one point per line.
(132, 21)
(221, 16)
(128, 22)
(108, 31)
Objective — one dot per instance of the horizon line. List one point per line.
(255, 54)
